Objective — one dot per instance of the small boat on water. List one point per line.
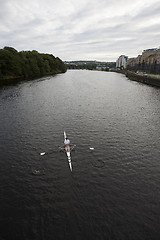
(68, 153)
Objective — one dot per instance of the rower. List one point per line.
(67, 142)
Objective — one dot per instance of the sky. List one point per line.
(99, 30)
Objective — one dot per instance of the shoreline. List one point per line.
(14, 80)
(152, 80)
(146, 79)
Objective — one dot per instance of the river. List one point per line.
(113, 192)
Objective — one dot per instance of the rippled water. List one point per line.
(113, 191)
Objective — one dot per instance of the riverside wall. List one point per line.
(153, 80)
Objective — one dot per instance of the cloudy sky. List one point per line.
(81, 29)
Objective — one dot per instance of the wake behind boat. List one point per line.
(68, 153)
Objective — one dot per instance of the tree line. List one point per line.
(28, 64)
(90, 65)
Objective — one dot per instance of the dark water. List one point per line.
(113, 192)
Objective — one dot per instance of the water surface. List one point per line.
(113, 192)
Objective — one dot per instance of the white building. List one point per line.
(121, 62)
(100, 68)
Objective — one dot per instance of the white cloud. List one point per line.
(73, 29)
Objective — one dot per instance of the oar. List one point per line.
(73, 147)
(91, 148)
(61, 147)
(44, 153)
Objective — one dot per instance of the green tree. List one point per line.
(28, 64)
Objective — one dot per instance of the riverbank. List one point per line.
(15, 80)
(153, 80)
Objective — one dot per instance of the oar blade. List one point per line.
(43, 153)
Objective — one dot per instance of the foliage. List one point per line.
(28, 64)
(106, 69)
(90, 65)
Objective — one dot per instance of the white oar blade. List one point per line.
(91, 148)
(42, 153)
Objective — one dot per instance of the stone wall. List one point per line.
(148, 79)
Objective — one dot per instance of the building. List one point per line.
(121, 62)
(148, 61)
(100, 67)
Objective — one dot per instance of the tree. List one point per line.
(28, 64)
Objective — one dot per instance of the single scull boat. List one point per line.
(68, 153)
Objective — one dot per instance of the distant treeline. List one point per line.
(28, 64)
(90, 65)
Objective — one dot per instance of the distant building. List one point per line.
(121, 62)
(148, 61)
(100, 68)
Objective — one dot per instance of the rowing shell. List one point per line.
(68, 153)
